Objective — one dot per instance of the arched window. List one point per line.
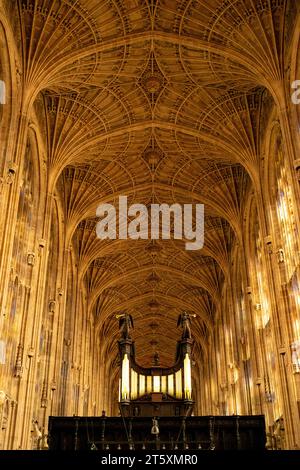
(2, 92)
(286, 218)
(262, 306)
(7, 89)
(295, 346)
(263, 321)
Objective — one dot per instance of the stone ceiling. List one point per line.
(157, 100)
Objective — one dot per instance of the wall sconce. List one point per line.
(268, 243)
(42, 243)
(11, 172)
(280, 254)
(52, 305)
(282, 351)
(31, 259)
(53, 386)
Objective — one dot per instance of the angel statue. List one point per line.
(125, 324)
(184, 320)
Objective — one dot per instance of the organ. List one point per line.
(155, 391)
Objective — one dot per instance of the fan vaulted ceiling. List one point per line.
(160, 101)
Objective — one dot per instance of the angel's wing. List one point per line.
(179, 320)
